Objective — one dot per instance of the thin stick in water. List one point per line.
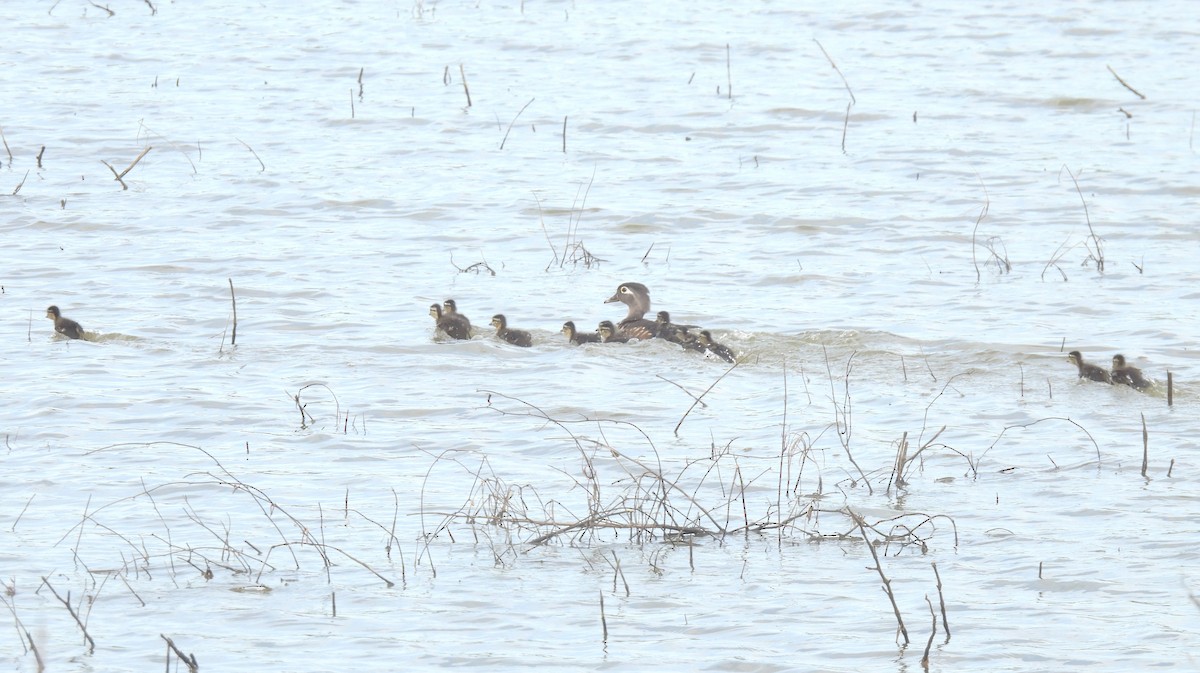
(463, 73)
(1170, 390)
(233, 299)
(837, 70)
(1124, 84)
(603, 620)
(1145, 446)
(514, 121)
(564, 134)
(260, 161)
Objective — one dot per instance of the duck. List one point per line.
(1127, 375)
(455, 329)
(609, 334)
(705, 339)
(1087, 371)
(64, 326)
(577, 337)
(516, 337)
(636, 298)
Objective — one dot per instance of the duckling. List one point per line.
(609, 334)
(1127, 375)
(671, 331)
(516, 337)
(636, 297)
(450, 312)
(1087, 371)
(578, 338)
(452, 328)
(64, 326)
(705, 339)
(690, 342)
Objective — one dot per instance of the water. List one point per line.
(857, 284)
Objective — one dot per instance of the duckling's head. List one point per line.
(569, 329)
(705, 338)
(53, 313)
(1075, 357)
(449, 306)
(434, 310)
(499, 321)
(1118, 361)
(663, 318)
(605, 329)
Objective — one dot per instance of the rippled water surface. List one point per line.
(901, 249)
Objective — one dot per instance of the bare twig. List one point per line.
(1124, 84)
(887, 584)
(233, 299)
(260, 161)
(188, 659)
(837, 70)
(119, 177)
(514, 121)
(82, 627)
(467, 91)
(698, 399)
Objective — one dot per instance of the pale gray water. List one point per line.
(807, 259)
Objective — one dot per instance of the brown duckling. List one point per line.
(705, 339)
(577, 337)
(64, 326)
(516, 337)
(609, 334)
(690, 342)
(450, 310)
(1088, 371)
(671, 331)
(636, 298)
(1128, 375)
(455, 329)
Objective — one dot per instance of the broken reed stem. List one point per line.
(1099, 254)
(1124, 83)
(1170, 390)
(846, 126)
(260, 161)
(110, 12)
(603, 620)
(987, 203)
(829, 58)
(21, 184)
(352, 102)
(697, 400)
(82, 627)
(932, 633)
(10, 158)
(514, 121)
(119, 176)
(463, 73)
(233, 299)
(188, 659)
(1145, 446)
(941, 601)
(39, 156)
(887, 584)
(564, 134)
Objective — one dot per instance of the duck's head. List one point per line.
(704, 338)
(1075, 357)
(606, 329)
(449, 306)
(663, 318)
(53, 313)
(634, 295)
(499, 321)
(434, 310)
(1118, 361)
(568, 328)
